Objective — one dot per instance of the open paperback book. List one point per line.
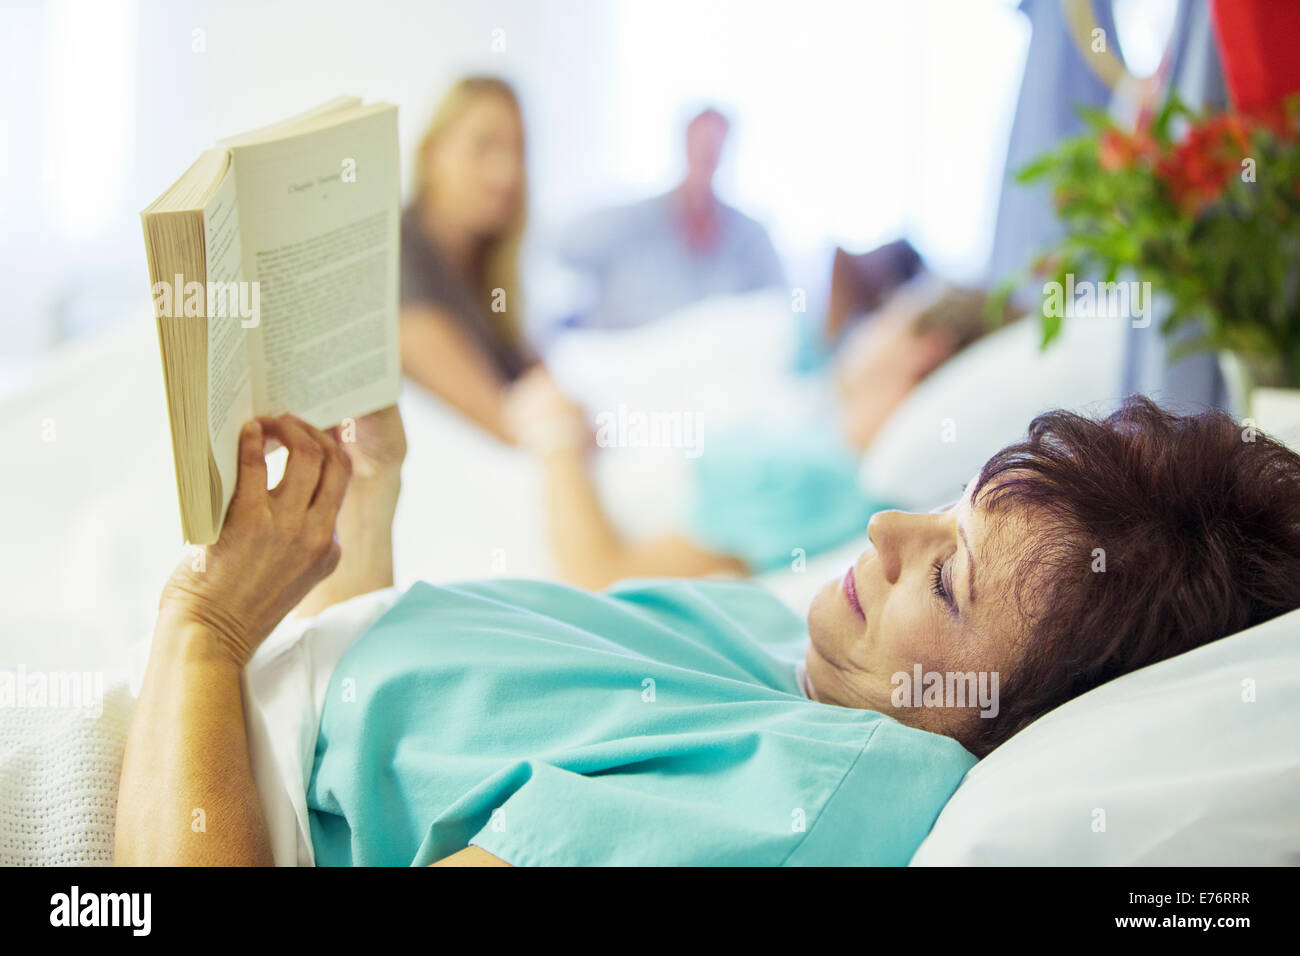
(274, 270)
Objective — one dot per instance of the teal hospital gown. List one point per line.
(658, 723)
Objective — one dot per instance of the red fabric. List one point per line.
(1259, 45)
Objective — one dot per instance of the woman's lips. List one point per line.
(851, 592)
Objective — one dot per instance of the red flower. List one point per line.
(1199, 169)
(1274, 118)
(1112, 151)
(1117, 150)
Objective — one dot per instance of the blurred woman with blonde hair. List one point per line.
(461, 334)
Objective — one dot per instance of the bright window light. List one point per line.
(852, 122)
(89, 83)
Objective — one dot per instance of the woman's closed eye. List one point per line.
(941, 583)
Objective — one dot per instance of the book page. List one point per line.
(319, 227)
(230, 388)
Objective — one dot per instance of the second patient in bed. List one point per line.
(759, 494)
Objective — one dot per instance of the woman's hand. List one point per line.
(275, 545)
(376, 443)
(541, 418)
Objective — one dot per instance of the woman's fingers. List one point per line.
(307, 456)
(250, 485)
(315, 480)
(333, 479)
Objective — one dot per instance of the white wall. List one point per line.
(107, 102)
(857, 121)
(853, 120)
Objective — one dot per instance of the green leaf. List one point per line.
(1051, 328)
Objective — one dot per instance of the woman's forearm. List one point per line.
(186, 795)
(439, 356)
(587, 546)
(365, 531)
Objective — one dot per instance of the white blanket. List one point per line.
(59, 769)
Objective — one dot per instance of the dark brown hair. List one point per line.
(1194, 519)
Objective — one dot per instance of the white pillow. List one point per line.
(982, 400)
(1174, 760)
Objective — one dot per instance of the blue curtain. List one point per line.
(1194, 382)
(1057, 80)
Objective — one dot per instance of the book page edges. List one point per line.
(175, 244)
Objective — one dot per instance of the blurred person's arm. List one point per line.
(589, 550)
(438, 355)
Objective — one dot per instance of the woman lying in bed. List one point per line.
(524, 722)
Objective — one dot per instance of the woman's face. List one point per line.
(880, 363)
(933, 590)
(476, 167)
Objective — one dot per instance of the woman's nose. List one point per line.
(898, 534)
(882, 532)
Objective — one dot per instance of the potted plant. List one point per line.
(1206, 207)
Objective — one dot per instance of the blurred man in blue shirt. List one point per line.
(660, 254)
